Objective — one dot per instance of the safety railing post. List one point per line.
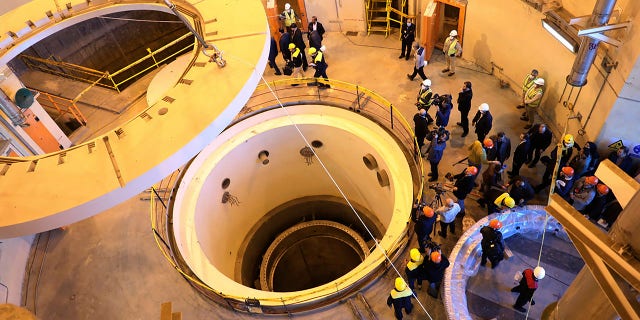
(391, 114)
(358, 96)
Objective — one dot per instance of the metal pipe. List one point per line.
(217, 54)
(589, 46)
(11, 110)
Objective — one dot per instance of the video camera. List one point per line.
(439, 189)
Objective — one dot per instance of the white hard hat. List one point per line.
(483, 107)
(323, 48)
(538, 272)
(539, 81)
(426, 83)
(287, 6)
(453, 33)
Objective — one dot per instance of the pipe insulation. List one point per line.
(589, 46)
(11, 110)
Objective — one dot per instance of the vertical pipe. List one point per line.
(589, 46)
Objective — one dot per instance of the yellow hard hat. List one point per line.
(292, 46)
(400, 284)
(312, 50)
(415, 254)
(568, 140)
(509, 202)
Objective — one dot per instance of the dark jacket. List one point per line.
(520, 154)
(273, 50)
(540, 140)
(483, 122)
(442, 115)
(464, 100)
(315, 40)
(465, 184)
(434, 272)
(424, 226)
(285, 39)
(296, 60)
(491, 235)
(436, 150)
(421, 127)
(596, 207)
(502, 149)
(408, 33)
(626, 163)
(525, 192)
(319, 28)
(296, 38)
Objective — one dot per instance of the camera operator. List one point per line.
(435, 152)
(424, 225)
(444, 110)
(465, 182)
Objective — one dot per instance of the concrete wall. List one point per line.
(494, 33)
(14, 254)
(338, 15)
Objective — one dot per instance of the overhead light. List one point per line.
(559, 34)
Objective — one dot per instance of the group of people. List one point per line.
(292, 46)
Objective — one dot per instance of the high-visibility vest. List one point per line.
(452, 47)
(401, 294)
(289, 17)
(296, 53)
(425, 97)
(319, 57)
(527, 83)
(498, 201)
(532, 92)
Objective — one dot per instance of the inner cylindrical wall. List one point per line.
(228, 192)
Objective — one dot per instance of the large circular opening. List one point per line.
(310, 254)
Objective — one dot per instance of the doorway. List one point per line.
(440, 17)
(300, 10)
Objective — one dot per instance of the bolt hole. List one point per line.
(163, 111)
(316, 144)
(225, 183)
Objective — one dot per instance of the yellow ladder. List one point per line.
(379, 15)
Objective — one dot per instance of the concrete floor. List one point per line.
(109, 267)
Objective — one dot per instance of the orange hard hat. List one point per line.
(592, 180)
(495, 224)
(472, 170)
(568, 171)
(428, 212)
(602, 189)
(436, 257)
(488, 143)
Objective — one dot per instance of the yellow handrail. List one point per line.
(62, 105)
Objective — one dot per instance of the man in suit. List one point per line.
(408, 35)
(315, 33)
(296, 38)
(503, 147)
(520, 155)
(464, 105)
(285, 39)
(540, 137)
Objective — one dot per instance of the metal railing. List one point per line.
(105, 78)
(342, 94)
(62, 105)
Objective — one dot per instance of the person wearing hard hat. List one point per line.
(594, 210)
(478, 155)
(526, 84)
(564, 182)
(317, 61)
(532, 100)
(447, 214)
(434, 271)
(288, 16)
(583, 192)
(498, 201)
(483, 121)
(425, 98)
(413, 270)
(420, 63)
(407, 35)
(451, 49)
(527, 286)
(464, 106)
(400, 298)
(424, 226)
(566, 147)
(492, 244)
(296, 62)
(465, 182)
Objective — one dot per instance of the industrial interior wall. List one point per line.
(338, 15)
(511, 36)
(14, 254)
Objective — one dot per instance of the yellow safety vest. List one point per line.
(532, 92)
(318, 57)
(289, 17)
(412, 265)
(422, 97)
(527, 83)
(401, 294)
(296, 53)
(452, 47)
